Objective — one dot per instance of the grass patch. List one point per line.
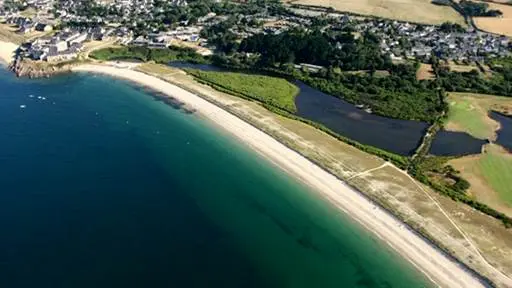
(144, 54)
(470, 113)
(468, 117)
(497, 171)
(269, 90)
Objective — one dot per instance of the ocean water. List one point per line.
(103, 185)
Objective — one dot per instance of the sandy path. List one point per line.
(7, 51)
(444, 271)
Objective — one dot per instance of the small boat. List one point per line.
(31, 96)
(23, 106)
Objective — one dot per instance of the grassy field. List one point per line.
(490, 173)
(270, 90)
(496, 169)
(421, 11)
(499, 25)
(469, 113)
(490, 176)
(461, 68)
(469, 118)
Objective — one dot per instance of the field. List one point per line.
(490, 173)
(501, 25)
(461, 68)
(490, 176)
(271, 90)
(425, 72)
(496, 169)
(7, 33)
(468, 113)
(421, 11)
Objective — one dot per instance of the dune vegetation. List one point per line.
(274, 91)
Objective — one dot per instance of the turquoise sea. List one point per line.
(103, 185)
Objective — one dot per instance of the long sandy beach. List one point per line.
(7, 51)
(441, 269)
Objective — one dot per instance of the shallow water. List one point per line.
(103, 185)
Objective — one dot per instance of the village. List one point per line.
(65, 27)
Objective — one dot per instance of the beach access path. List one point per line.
(443, 270)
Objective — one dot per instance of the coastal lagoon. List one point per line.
(505, 132)
(347, 120)
(356, 124)
(103, 185)
(401, 137)
(451, 143)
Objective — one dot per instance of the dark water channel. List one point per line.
(398, 136)
(449, 143)
(505, 132)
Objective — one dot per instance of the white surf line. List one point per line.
(367, 171)
(412, 246)
(347, 169)
(336, 162)
(504, 277)
(386, 164)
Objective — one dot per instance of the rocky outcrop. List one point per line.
(33, 69)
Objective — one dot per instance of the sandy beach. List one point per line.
(7, 52)
(441, 269)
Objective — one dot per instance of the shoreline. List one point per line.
(440, 268)
(7, 51)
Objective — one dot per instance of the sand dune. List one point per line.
(441, 269)
(7, 51)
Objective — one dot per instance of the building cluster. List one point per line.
(40, 5)
(62, 46)
(122, 19)
(412, 41)
(27, 25)
(164, 39)
(119, 11)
